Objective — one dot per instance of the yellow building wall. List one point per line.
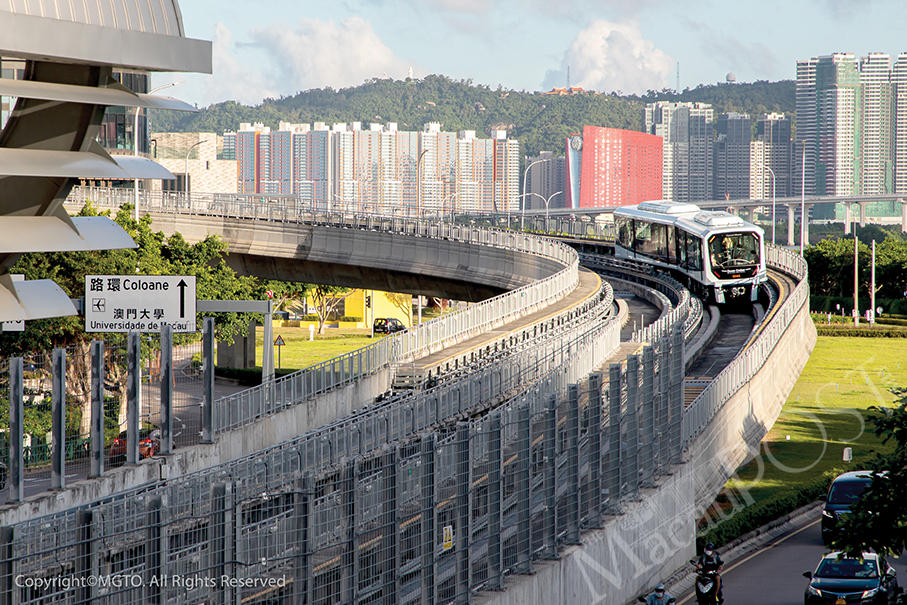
(383, 304)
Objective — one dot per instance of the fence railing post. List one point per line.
(647, 410)
(462, 529)
(613, 468)
(676, 396)
(573, 455)
(495, 560)
(16, 431)
(632, 417)
(133, 385)
(97, 409)
(167, 389)
(595, 451)
(58, 421)
(86, 563)
(155, 551)
(208, 379)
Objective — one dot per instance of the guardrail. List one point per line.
(741, 370)
(238, 410)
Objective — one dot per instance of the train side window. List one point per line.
(671, 247)
(682, 247)
(694, 253)
(659, 242)
(642, 242)
(624, 231)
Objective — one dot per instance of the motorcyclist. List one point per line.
(710, 561)
(659, 597)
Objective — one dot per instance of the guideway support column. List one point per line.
(790, 224)
(848, 218)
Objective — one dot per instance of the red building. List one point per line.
(616, 168)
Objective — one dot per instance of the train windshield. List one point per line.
(730, 251)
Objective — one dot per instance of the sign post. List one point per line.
(139, 303)
(279, 343)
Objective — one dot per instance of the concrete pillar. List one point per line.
(805, 225)
(903, 215)
(847, 218)
(790, 224)
(862, 213)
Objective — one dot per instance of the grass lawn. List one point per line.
(300, 353)
(825, 413)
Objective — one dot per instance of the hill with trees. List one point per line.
(539, 121)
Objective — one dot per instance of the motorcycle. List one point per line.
(707, 584)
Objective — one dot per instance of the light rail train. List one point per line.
(718, 255)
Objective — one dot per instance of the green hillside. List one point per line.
(538, 121)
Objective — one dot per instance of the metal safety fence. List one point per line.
(742, 369)
(243, 408)
(402, 505)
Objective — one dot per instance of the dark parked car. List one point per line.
(388, 325)
(149, 445)
(840, 581)
(843, 492)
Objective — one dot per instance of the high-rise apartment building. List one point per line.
(732, 157)
(616, 167)
(545, 181)
(770, 154)
(876, 167)
(806, 126)
(899, 93)
(686, 131)
(379, 168)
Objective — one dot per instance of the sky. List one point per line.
(274, 48)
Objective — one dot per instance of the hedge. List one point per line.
(762, 513)
(861, 332)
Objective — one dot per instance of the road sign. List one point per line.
(142, 303)
(279, 342)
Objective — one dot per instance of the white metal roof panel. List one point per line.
(44, 39)
(118, 96)
(51, 234)
(147, 16)
(33, 299)
(77, 164)
(668, 207)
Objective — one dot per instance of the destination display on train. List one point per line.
(139, 303)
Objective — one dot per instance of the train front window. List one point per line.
(730, 250)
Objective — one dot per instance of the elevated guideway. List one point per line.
(444, 513)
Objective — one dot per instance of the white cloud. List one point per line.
(231, 80)
(324, 53)
(612, 56)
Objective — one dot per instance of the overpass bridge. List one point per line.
(440, 497)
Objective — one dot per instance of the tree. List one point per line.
(326, 300)
(403, 302)
(878, 521)
(156, 255)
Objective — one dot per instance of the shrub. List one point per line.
(350, 318)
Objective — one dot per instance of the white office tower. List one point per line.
(686, 129)
(806, 128)
(899, 92)
(876, 175)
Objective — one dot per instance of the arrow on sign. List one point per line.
(182, 286)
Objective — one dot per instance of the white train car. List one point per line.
(721, 255)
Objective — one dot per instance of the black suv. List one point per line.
(869, 581)
(388, 325)
(844, 491)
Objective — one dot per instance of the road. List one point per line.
(774, 574)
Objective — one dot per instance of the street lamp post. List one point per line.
(135, 142)
(451, 197)
(547, 201)
(773, 201)
(419, 183)
(186, 184)
(523, 197)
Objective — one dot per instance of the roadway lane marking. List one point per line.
(742, 561)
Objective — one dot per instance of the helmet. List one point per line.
(659, 588)
(710, 546)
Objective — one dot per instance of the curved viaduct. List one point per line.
(649, 531)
